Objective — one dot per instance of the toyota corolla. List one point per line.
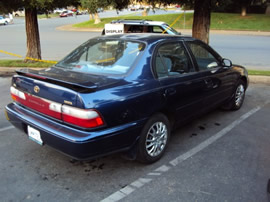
(123, 93)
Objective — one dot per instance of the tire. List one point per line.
(6, 23)
(238, 97)
(154, 139)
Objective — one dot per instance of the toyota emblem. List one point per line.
(36, 89)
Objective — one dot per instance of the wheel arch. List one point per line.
(170, 116)
(245, 80)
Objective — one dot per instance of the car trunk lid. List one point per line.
(58, 95)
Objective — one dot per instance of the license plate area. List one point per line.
(34, 135)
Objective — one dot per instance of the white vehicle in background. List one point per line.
(59, 10)
(4, 21)
(138, 26)
(66, 14)
(19, 13)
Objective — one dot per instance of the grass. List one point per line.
(219, 21)
(254, 22)
(259, 72)
(52, 15)
(169, 19)
(21, 63)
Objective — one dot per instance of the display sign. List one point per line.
(111, 29)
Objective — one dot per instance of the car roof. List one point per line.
(138, 22)
(147, 37)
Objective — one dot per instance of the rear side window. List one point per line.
(103, 57)
(205, 59)
(135, 29)
(172, 60)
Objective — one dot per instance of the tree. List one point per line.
(93, 5)
(119, 4)
(202, 14)
(31, 21)
(201, 20)
(32, 34)
(242, 5)
(267, 11)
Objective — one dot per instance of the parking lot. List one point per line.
(222, 156)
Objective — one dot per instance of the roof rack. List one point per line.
(140, 21)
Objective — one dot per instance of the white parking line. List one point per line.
(6, 128)
(140, 182)
(212, 139)
(163, 168)
(122, 193)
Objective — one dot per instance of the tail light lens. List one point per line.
(44, 106)
(79, 117)
(17, 94)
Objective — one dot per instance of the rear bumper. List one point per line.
(74, 142)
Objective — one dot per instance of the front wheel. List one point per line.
(238, 97)
(154, 139)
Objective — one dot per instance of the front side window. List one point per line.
(205, 59)
(164, 29)
(103, 56)
(169, 29)
(172, 60)
(158, 29)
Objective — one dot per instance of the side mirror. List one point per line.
(226, 62)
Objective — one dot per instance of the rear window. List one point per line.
(103, 56)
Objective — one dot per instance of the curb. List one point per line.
(75, 29)
(10, 71)
(259, 79)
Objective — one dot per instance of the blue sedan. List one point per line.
(123, 93)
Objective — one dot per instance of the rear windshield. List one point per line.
(103, 56)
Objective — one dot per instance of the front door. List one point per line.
(217, 79)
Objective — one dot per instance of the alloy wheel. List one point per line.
(156, 139)
(239, 95)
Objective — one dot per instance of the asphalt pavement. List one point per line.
(222, 156)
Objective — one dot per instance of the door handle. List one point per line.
(169, 91)
(208, 82)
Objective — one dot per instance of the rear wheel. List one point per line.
(154, 139)
(6, 23)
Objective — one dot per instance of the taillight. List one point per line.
(16, 93)
(44, 106)
(79, 117)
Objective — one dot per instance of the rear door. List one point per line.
(181, 86)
